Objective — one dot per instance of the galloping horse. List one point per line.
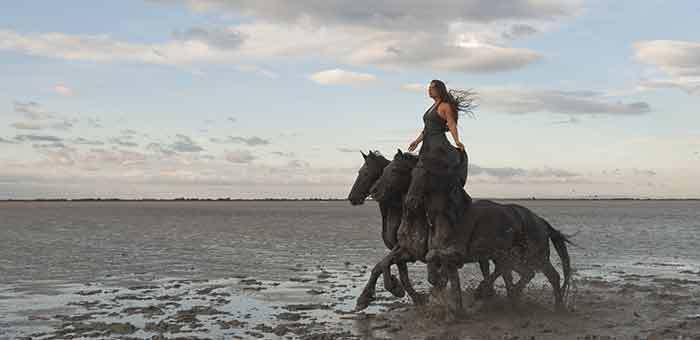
(512, 236)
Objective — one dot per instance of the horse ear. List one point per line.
(363, 155)
(399, 152)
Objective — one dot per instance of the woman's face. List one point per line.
(432, 90)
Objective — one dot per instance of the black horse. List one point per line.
(512, 236)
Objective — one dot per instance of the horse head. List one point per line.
(395, 177)
(367, 175)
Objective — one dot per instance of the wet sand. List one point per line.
(293, 270)
(316, 303)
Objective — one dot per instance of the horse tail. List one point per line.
(560, 240)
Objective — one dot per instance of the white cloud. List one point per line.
(250, 141)
(402, 15)
(224, 39)
(448, 35)
(122, 141)
(689, 85)
(37, 138)
(37, 118)
(63, 90)
(415, 87)
(520, 100)
(27, 126)
(427, 52)
(32, 110)
(84, 141)
(258, 70)
(102, 48)
(240, 156)
(185, 144)
(338, 76)
(679, 61)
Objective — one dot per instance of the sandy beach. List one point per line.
(265, 280)
(316, 303)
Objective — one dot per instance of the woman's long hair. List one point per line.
(460, 100)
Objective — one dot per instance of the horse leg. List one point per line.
(553, 277)
(485, 291)
(508, 280)
(436, 274)
(403, 274)
(525, 278)
(391, 283)
(367, 294)
(453, 276)
(487, 284)
(484, 266)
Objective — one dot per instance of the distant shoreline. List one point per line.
(318, 199)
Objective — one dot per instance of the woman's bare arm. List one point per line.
(420, 137)
(417, 141)
(449, 114)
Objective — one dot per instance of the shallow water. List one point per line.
(85, 241)
(51, 249)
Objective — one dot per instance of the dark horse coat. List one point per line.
(512, 236)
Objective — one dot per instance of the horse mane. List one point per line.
(404, 161)
(375, 153)
(377, 156)
(407, 156)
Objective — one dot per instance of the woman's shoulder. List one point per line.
(444, 105)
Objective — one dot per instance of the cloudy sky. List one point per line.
(275, 98)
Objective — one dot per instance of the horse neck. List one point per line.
(391, 219)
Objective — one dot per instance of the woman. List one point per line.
(437, 181)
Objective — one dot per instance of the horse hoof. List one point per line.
(420, 300)
(436, 276)
(395, 288)
(438, 282)
(430, 256)
(484, 293)
(362, 303)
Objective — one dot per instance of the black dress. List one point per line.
(438, 182)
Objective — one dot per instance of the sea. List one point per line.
(48, 247)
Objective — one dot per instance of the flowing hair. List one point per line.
(460, 100)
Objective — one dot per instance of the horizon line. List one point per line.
(225, 199)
